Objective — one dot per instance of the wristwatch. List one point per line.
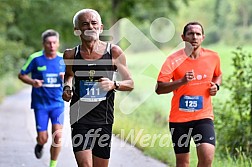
(117, 84)
(218, 86)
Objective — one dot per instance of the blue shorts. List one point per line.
(42, 117)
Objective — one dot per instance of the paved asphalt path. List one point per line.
(17, 140)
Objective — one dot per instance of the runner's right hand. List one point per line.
(67, 95)
(37, 83)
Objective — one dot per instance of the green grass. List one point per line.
(142, 112)
(138, 110)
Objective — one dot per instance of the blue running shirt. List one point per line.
(50, 94)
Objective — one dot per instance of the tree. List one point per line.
(12, 48)
(142, 10)
(234, 21)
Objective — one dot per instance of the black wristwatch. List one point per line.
(117, 84)
(218, 86)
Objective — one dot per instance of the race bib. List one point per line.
(190, 103)
(51, 80)
(91, 92)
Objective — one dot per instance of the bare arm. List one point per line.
(119, 59)
(217, 80)
(68, 57)
(127, 83)
(167, 87)
(28, 80)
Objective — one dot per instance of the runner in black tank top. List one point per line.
(90, 84)
(90, 104)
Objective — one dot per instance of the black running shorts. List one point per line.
(94, 137)
(202, 131)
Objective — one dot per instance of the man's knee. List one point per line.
(57, 135)
(205, 154)
(84, 158)
(42, 138)
(182, 160)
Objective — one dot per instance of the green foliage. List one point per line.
(233, 18)
(12, 55)
(10, 84)
(235, 126)
(241, 160)
(212, 35)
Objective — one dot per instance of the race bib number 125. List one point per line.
(190, 103)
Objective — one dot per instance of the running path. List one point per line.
(17, 140)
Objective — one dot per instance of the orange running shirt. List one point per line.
(191, 101)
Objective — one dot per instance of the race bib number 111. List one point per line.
(91, 92)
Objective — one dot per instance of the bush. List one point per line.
(235, 116)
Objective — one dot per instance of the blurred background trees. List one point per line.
(225, 21)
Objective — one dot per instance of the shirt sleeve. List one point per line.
(28, 66)
(217, 70)
(166, 72)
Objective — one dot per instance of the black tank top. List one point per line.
(90, 104)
